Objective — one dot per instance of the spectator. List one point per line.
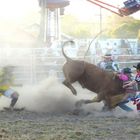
(138, 46)
(98, 48)
(108, 63)
(137, 102)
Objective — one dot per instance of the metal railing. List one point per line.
(30, 66)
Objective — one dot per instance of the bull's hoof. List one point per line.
(76, 112)
(79, 103)
(13, 109)
(107, 109)
(8, 109)
(80, 112)
(74, 92)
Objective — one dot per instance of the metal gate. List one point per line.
(31, 65)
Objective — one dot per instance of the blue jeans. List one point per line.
(123, 106)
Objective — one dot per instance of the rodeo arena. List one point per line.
(58, 87)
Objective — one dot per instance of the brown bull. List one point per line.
(106, 84)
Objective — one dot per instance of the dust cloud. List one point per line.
(50, 95)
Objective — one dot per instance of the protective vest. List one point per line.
(130, 89)
(109, 66)
(4, 81)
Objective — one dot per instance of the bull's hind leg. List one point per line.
(110, 103)
(79, 103)
(105, 107)
(67, 84)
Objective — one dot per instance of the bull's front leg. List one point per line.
(67, 84)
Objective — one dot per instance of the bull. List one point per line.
(106, 85)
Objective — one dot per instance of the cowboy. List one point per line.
(126, 77)
(136, 81)
(108, 63)
(137, 78)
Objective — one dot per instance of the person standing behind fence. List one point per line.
(108, 63)
(98, 48)
(6, 81)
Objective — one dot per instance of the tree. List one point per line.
(116, 27)
(126, 27)
(72, 26)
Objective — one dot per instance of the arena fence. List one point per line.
(32, 65)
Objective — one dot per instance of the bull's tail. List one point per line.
(64, 44)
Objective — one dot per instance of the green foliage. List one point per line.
(74, 27)
(138, 34)
(123, 27)
(117, 27)
(127, 30)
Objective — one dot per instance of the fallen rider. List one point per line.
(6, 81)
(126, 77)
(136, 81)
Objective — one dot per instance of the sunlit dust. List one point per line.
(85, 10)
(82, 9)
(16, 9)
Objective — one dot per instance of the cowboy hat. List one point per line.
(137, 67)
(127, 70)
(107, 56)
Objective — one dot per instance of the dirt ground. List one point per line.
(27, 125)
(48, 116)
